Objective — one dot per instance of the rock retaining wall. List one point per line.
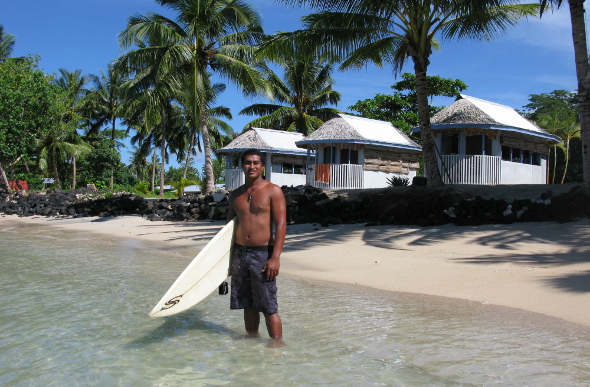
(413, 205)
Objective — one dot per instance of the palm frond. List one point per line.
(488, 23)
(280, 119)
(259, 109)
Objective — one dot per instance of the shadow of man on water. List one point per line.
(178, 325)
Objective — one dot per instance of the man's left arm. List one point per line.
(279, 219)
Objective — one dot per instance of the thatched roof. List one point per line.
(478, 113)
(266, 140)
(462, 111)
(359, 130)
(336, 128)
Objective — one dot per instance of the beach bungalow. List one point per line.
(482, 142)
(356, 152)
(285, 162)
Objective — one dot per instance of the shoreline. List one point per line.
(536, 267)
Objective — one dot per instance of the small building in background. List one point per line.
(355, 153)
(482, 142)
(285, 162)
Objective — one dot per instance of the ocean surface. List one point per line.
(76, 307)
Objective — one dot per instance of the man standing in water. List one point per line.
(259, 205)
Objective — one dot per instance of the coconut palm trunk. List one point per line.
(163, 146)
(567, 159)
(188, 154)
(55, 173)
(112, 180)
(4, 179)
(428, 143)
(583, 74)
(209, 181)
(73, 186)
(554, 163)
(153, 179)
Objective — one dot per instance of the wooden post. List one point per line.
(268, 169)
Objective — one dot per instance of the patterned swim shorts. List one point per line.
(249, 286)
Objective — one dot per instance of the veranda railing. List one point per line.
(233, 178)
(336, 176)
(470, 169)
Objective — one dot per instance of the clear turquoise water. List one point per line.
(76, 307)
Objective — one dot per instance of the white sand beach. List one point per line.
(536, 267)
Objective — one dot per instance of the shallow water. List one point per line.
(76, 314)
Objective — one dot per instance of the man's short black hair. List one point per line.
(253, 152)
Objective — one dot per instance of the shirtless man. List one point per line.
(259, 205)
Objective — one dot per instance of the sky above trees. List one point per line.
(535, 57)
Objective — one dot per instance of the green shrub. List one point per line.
(34, 181)
(398, 181)
(142, 188)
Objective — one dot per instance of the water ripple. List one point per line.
(77, 316)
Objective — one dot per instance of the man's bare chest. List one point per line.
(252, 204)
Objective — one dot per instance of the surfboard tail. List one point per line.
(201, 277)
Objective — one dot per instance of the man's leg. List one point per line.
(274, 325)
(251, 320)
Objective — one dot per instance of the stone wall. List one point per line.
(413, 205)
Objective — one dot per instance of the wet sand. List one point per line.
(536, 267)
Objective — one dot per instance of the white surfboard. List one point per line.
(202, 276)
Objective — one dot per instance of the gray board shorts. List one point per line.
(249, 286)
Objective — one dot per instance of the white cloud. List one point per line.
(552, 32)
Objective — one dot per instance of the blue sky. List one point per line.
(535, 57)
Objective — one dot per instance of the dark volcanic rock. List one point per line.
(412, 205)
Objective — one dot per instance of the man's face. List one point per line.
(252, 166)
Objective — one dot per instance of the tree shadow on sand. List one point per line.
(579, 283)
(573, 240)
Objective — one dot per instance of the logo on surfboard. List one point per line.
(170, 303)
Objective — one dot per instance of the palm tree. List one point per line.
(300, 97)
(102, 104)
(552, 124)
(181, 184)
(220, 132)
(208, 36)
(73, 83)
(389, 31)
(6, 44)
(147, 143)
(152, 97)
(577, 16)
(565, 125)
(55, 146)
(570, 130)
(138, 163)
(104, 100)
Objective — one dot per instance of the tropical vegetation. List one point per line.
(208, 36)
(6, 43)
(578, 21)
(392, 32)
(556, 112)
(162, 93)
(300, 97)
(30, 108)
(401, 108)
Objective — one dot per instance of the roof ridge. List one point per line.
(277, 131)
(363, 118)
(468, 97)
